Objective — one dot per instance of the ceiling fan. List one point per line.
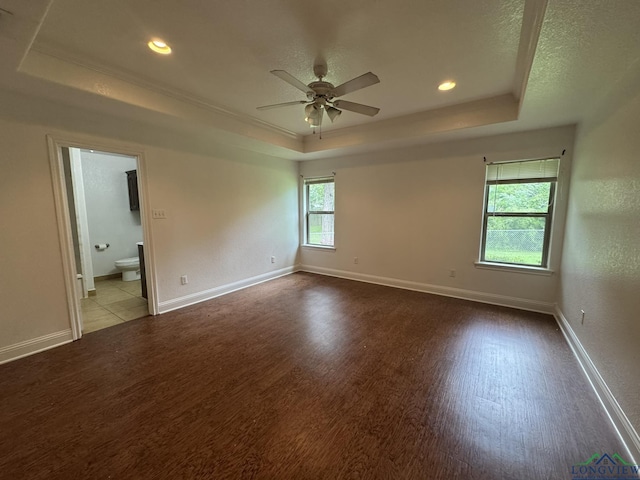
(321, 95)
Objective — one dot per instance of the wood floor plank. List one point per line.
(306, 377)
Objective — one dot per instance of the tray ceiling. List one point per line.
(511, 60)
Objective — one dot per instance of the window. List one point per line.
(518, 209)
(320, 205)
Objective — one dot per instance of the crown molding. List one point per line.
(488, 111)
(52, 62)
(64, 57)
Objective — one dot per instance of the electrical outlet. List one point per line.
(582, 317)
(452, 273)
(184, 280)
(273, 259)
(355, 260)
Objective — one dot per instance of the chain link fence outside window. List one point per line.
(515, 246)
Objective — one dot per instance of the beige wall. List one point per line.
(411, 216)
(228, 212)
(32, 293)
(601, 260)
(225, 218)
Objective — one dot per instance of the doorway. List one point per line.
(100, 205)
(107, 237)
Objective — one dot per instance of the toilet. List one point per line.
(130, 268)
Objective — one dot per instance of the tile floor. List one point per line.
(115, 302)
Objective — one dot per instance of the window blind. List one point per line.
(314, 180)
(546, 169)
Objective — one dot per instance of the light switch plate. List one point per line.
(158, 213)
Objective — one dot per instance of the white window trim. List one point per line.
(520, 268)
(531, 270)
(305, 212)
(319, 247)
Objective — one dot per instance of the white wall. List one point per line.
(107, 201)
(601, 261)
(228, 212)
(412, 215)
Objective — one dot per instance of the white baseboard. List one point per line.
(617, 416)
(181, 302)
(621, 422)
(35, 345)
(514, 302)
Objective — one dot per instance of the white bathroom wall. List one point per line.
(107, 201)
(411, 216)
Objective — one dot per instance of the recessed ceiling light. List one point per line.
(448, 85)
(159, 46)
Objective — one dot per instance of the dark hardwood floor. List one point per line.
(306, 377)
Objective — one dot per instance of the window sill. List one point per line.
(515, 268)
(319, 247)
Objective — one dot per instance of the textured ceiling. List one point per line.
(585, 48)
(218, 72)
(223, 51)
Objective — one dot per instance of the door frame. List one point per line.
(82, 224)
(55, 144)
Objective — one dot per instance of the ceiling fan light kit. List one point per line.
(333, 113)
(321, 95)
(314, 115)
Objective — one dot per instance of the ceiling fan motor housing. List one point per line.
(322, 90)
(320, 70)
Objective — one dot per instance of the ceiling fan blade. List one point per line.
(354, 84)
(278, 105)
(291, 80)
(356, 107)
